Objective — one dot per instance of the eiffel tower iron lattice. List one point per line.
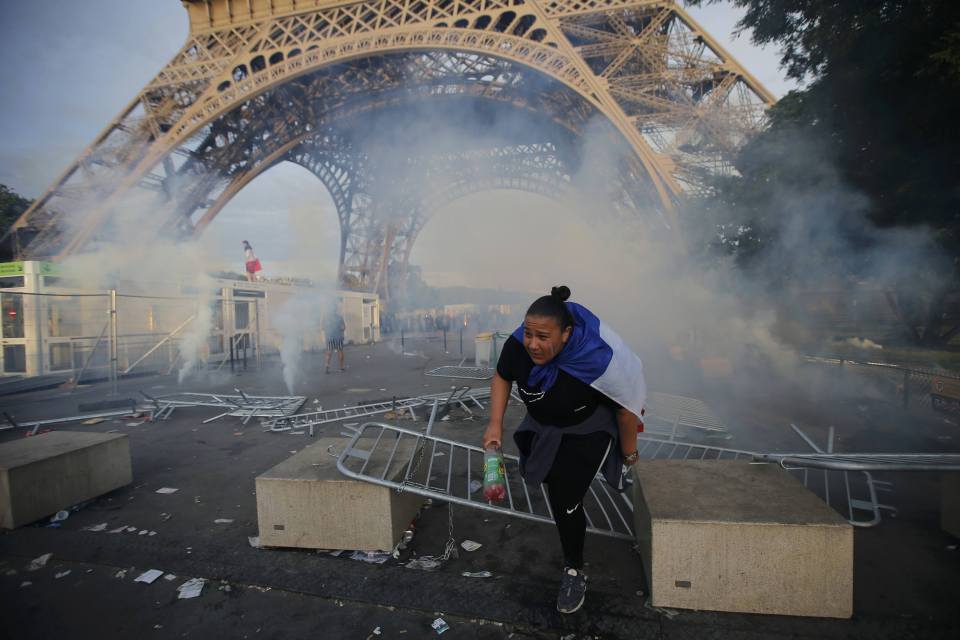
(260, 82)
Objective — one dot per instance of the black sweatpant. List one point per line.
(578, 460)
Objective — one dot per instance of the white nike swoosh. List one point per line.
(569, 511)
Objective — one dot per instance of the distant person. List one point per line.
(334, 328)
(251, 262)
(584, 390)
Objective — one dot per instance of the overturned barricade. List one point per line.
(242, 406)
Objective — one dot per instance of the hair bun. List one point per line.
(562, 293)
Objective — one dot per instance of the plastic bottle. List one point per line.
(494, 475)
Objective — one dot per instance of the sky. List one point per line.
(70, 67)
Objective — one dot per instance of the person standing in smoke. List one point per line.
(334, 328)
(251, 262)
(584, 392)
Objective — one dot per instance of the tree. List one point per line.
(871, 139)
(12, 205)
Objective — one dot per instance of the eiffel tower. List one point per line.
(260, 82)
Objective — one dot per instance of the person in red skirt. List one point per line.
(252, 263)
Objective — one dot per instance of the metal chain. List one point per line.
(450, 548)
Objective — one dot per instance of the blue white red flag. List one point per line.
(596, 356)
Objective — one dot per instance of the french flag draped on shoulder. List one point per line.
(597, 356)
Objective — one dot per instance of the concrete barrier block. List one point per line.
(43, 474)
(734, 536)
(306, 502)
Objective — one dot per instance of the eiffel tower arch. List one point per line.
(260, 82)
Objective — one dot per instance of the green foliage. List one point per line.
(11, 206)
(865, 150)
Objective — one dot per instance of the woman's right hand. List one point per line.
(493, 436)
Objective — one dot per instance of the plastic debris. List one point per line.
(40, 562)
(470, 545)
(426, 563)
(60, 516)
(477, 574)
(165, 516)
(25, 583)
(149, 576)
(223, 521)
(169, 577)
(143, 532)
(119, 529)
(167, 490)
(62, 574)
(96, 527)
(122, 573)
(254, 541)
(439, 625)
(131, 529)
(475, 485)
(375, 557)
(191, 588)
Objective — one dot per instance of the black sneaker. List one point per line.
(573, 590)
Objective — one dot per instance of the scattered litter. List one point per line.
(426, 563)
(122, 527)
(131, 529)
(167, 490)
(62, 574)
(223, 521)
(196, 499)
(470, 545)
(96, 527)
(477, 574)
(191, 588)
(376, 631)
(165, 516)
(158, 626)
(25, 583)
(152, 533)
(169, 577)
(375, 557)
(39, 563)
(382, 389)
(316, 401)
(134, 424)
(475, 485)
(439, 626)
(254, 541)
(670, 613)
(60, 516)
(336, 554)
(94, 421)
(122, 573)
(445, 418)
(224, 586)
(438, 454)
(148, 577)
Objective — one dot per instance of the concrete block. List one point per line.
(950, 503)
(43, 474)
(733, 536)
(306, 502)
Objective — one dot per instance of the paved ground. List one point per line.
(905, 576)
